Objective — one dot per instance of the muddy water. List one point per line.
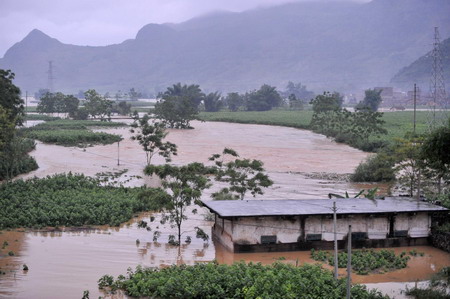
(69, 262)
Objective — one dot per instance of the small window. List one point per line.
(268, 239)
(359, 236)
(400, 233)
(313, 237)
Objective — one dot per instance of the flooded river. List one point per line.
(64, 264)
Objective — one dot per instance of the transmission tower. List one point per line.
(438, 102)
(50, 76)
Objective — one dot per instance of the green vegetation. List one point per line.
(17, 160)
(241, 175)
(439, 287)
(365, 261)
(14, 158)
(183, 186)
(72, 132)
(69, 200)
(150, 136)
(239, 280)
(73, 137)
(397, 123)
(285, 118)
(41, 117)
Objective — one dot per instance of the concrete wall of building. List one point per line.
(249, 230)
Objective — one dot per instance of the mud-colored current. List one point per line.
(64, 264)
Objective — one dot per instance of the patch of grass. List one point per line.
(72, 132)
(73, 137)
(239, 280)
(41, 117)
(285, 118)
(365, 261)
(68, 200)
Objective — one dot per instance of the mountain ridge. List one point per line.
(327, 46)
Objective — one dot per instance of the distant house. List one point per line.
(283, 225)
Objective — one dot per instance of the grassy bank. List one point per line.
(396, 123)
(67, 200)
(239, 280)
(72, 132)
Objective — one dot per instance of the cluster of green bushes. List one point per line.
(14, 160)
(239, 280)
(365, 261)
(72, 132)
(68, 200)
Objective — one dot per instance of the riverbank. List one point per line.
(397, 123)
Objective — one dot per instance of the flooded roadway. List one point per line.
(70, 262)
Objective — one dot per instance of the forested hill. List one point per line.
(420, 70)
(325, 45)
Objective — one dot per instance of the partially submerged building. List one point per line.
(283, 225)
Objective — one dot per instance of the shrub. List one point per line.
(376, 168)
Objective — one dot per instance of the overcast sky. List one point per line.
(104, 22)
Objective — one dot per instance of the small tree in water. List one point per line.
(242, 175)
(151, 135)
(184, 185)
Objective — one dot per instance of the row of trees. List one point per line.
(180, 104)
(94, 105)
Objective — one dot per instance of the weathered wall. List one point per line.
(288, 230)
(250, 230)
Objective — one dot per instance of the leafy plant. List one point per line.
(364, 261)
(239, 280)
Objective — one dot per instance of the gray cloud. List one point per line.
(103, 22)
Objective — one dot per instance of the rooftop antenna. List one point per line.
(438, 102)
(50, 77)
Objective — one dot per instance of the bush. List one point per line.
(14, 160)
(239, 280)
(376, 168)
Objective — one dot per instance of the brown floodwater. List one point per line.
(64, 264)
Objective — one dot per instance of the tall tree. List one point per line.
(263, 99)
(151, 137)
(10, 98)
(372, 100)
(234, 101)
(178, 105)
(242, 175)
(97, 105)
(213, 102)
(327, 102)
(184, 185)
(299, 90)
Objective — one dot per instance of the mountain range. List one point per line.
(342, 46)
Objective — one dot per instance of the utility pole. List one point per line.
(335, 241)
(50, 76)
(349, 261)
(118, 161)
(26, 102)
(414, 109)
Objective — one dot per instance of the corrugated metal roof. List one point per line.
(254, 208)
